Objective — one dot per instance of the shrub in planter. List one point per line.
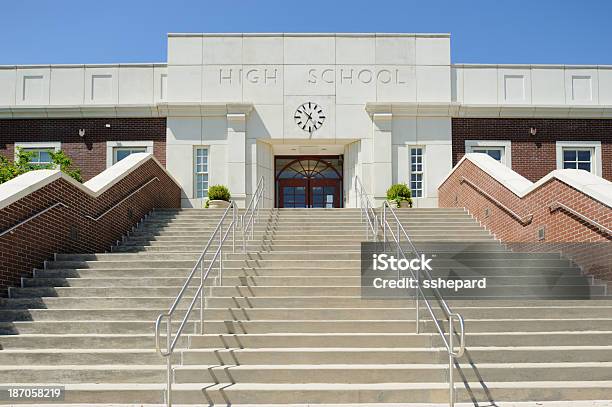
(399, 193)
(218, 197)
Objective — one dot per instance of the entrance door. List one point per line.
(309, 182)
(309, 193)
(293, 193)
(324, 193)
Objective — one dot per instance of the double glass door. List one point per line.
(309, 193)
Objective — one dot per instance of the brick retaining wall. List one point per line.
(579, 240)
(67, 230)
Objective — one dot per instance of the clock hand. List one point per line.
(309, 118)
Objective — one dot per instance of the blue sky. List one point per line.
(107, 31)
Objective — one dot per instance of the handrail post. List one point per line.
(399, 238)
(234, 227)
(202, 297)
(384, 226)
(451, 379)
(221, 255)
(169, 362)
(416, 305)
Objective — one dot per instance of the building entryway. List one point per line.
(308, 181)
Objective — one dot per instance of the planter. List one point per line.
(392, 204)
(217, 204)
(403, 204)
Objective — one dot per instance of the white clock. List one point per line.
(309, 117)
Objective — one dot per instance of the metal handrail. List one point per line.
(253, 208)
(55, 205)
(558, 205)
(366, 208)
(204, 273)
(121, 201)
(449, 314)
(524, 220)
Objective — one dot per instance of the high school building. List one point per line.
(125, 290)
(309, 112)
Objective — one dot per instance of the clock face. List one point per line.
(309, 117)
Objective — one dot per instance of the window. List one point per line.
(119, 153)
(499, 150)
(41, 156)
(201, 172)
(416, 171)
(118, 150)
(579, 155)
(41, 151)
(578, 159)
(496, 153)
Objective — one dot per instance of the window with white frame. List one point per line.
(500, 150)
(578, 158)
(494, 152)
(119, 153)
(201, 172)
(40, 151)
(579, 155)
(118, 150)
(416, 171)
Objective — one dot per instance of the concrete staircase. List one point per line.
(289, 326)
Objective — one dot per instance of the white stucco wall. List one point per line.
(276, 73)
(237, 95)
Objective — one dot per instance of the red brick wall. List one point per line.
(88, 153)
(67, 230)
(559, 225)
(534, 157)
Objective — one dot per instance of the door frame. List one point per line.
(338, 181)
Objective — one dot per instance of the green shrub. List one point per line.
(399, 193)
(64, 162)
(10, 169)
(219, 192)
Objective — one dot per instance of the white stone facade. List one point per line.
(236, 96)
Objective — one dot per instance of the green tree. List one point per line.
(23, 164)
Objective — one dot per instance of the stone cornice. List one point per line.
(454, 109)
(153, 110)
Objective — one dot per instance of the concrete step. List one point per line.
(331, 253)
(55, 357)
(280, 271)
(305, 340)
(275, 281)
(355, 394)
(511, 290)
(385, 373)
(439, 220)
(243, 302)
(297, 314)
(275, 260)
(82, 341)
(398, 340)
(303, 326)
(306, 231)
(391, 356)
(298, 374)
